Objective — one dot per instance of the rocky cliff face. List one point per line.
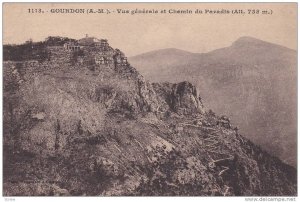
(181, 98)
(103, 130)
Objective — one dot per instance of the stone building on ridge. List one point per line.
(97, 52)
(72, 46)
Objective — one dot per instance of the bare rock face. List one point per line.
(181, 98)
(185, 99)
(105, 130)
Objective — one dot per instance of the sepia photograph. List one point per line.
(149, 99)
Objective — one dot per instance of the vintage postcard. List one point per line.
(150, 99)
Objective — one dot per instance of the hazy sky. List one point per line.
(135, 34)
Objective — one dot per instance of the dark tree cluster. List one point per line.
(57, 41)
(26, 51)
(32, 50)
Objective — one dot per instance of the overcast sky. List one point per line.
(135, 34)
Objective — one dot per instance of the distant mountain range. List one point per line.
(252, 81)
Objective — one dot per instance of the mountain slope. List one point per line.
(73, 128)
(252, 81)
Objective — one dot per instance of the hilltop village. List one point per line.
(59, 52)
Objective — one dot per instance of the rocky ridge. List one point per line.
(76, 127)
